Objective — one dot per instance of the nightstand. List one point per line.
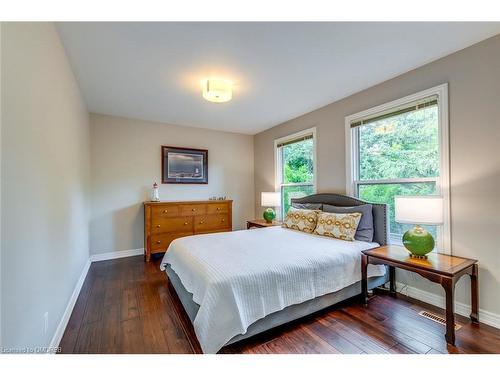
(439, 268)
(261, 223)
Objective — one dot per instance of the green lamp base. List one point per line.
(418, 242)
(269, 215)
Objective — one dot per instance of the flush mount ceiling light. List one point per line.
(217, 90)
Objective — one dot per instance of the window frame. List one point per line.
(278, 166)
(442, 182)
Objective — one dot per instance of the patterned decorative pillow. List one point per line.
(341, 226)
(365, 229)
(300, 219)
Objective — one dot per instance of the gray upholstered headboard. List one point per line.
(379, 211)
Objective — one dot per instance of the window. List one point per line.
(401, 148)
(295, 167)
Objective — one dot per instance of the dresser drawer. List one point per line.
(193, 209)
(165, 211)
(171, 224)
(217, 208)
(211, 222)
(166, 221)
(160, 242)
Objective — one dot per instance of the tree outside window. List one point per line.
(399, 155)
(295, 169)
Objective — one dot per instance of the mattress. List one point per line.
(238, 278)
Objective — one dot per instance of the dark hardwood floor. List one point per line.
(126, 306)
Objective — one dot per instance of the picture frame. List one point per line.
(180, 165)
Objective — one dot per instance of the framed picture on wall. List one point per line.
(184, 165)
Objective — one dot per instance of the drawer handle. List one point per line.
(185, 223)
(158, 226)
(223, 220)
(218, 208)
(158, 242)
(165, 211)
(201, 222)
(194, 209)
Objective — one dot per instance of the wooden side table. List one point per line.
(261, 223)
(439, 268)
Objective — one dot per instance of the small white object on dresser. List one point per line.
(155, 193)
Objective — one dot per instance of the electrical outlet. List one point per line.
(45, 322)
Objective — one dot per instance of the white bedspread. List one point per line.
(240, 277)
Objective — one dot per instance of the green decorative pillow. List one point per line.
(300, 219)
(341, 226)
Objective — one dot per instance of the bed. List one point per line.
(237, 284)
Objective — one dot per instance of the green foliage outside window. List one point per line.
(289, 192)
(298, 162)
(298, 167)
(404, 146)
(386, 193)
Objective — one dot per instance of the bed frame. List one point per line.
(187, 308)
(380, 235)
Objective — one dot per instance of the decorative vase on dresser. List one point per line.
(166, 221)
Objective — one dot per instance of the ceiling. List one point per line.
(152, 71)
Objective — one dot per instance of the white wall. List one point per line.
(126, 160)
(44, 183)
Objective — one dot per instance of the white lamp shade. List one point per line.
(419, 209)
(270, 199)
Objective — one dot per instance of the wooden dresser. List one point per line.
(166, 221)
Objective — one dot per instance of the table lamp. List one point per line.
(270, 200)
(419, 210)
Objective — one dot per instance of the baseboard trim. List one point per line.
(116, 255)
(56, 339)
(463, 309)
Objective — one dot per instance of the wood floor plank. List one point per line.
(402, 349)
(133, 336)
(111, 337)
(70, 335)
(95, 305)
(433, 351)
(424, 330)
(177, 341)
(373, 318)
(299, 341)
(128, 306)
(330, 332)
(376, 334)
(89, 338)
(113, 291)
(364, 342)
(154, 339)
